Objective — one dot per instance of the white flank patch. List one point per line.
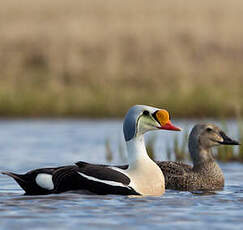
(109, 182)
(44, 180)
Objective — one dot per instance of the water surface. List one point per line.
(28, 144)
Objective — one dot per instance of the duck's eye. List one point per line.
(209, 129)
(145, 112)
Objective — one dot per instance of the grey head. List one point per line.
(205, 136)
(142, 118)
(130, 124)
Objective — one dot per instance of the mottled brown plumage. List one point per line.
(184, 177)
(205, 174)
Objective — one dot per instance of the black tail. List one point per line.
(27, 183)
(19, 179)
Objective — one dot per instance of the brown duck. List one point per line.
(205, 174)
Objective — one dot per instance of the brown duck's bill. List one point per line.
(227, 140)
(170, 126)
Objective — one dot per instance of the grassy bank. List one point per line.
(97, 58)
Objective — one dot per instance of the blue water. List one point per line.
(28, 144)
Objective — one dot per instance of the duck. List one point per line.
(205, 174)
(142, 176)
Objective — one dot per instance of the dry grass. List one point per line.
(98, 57)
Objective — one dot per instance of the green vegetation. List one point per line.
(179, 151)
(97, 58)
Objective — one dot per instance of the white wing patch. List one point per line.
(109, 182)
(118, 170)
(44, 180)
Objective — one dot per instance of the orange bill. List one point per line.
(163, 118)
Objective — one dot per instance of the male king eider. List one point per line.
(142, 177)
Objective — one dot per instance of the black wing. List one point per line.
(66, 178)
(92, 178)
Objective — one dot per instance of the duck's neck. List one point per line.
(201, 156)
(145, 175)
(137, 154)
(203, 160)
(204, 164)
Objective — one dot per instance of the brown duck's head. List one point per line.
(209, 135)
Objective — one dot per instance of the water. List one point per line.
(28, 144)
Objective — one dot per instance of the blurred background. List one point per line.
(97, 58)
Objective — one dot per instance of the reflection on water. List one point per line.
(31, 144)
